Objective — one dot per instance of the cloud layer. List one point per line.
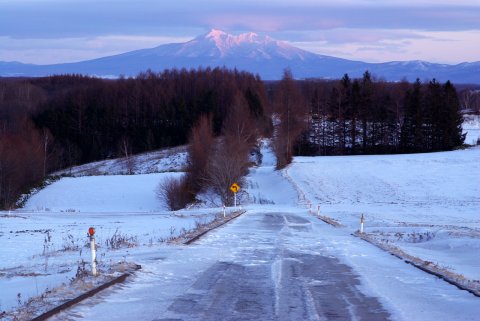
(30, 30)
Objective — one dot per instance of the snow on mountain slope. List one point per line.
(249, 45)
(218, 44)
(258, 54)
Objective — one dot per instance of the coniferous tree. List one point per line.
(365, 105)
(453, 118)
(411, 132)
(354, 110)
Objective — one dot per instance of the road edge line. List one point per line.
(195, 236)
(421, 265)
(86, 295)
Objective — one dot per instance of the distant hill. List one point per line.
(258, 54)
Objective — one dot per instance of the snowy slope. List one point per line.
(165, 160)
(427, 204)
(108, 193)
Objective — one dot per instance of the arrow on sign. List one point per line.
(235, 188)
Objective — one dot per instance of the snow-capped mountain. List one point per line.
(219, 44)
(255, 53)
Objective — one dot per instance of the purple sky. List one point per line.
(52, 31)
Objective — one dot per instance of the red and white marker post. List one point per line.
(362, 220)
(91, 234)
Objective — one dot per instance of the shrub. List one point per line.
(175, 193)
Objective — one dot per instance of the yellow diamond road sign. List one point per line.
(235, 188)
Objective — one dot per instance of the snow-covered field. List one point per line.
(45, 243)
(471, 126)
(426, 204)
(106, 193)
(43, 250)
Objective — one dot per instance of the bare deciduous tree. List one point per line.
(200, 148)
(126, 151)
(230, 159)
(292, 113)
(174, 192)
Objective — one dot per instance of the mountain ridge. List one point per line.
(259, 54)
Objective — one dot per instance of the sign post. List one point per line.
(91, 234)
(235, 188)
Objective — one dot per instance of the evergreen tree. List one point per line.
(453, 118)
(434, 115)
(365, 106)
(411, 131)
(353, 115)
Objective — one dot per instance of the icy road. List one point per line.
(260, 272)
(270, 266)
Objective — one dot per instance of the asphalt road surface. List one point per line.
(262, 266)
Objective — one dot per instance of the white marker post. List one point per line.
(223, 210)
(91, 234)
(318, 210)
(362, 220)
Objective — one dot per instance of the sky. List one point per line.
(54, 31)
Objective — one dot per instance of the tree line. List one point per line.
(61, 121)
(99, 119)
(55, 122)
(364, 116)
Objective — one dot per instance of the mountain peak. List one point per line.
(222, 38)
(218, 43)
(215, 33)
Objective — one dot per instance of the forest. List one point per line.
(363, 116)
(60, 121)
